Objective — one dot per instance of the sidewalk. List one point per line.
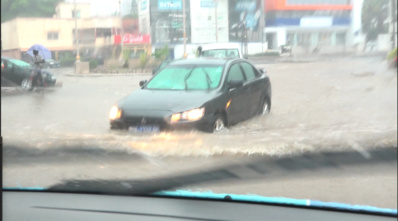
(12, 91)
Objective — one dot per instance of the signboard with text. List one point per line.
(133, 39)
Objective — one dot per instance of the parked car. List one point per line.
(208, 94)
(222, 50)
(51, 63)
(18, 72)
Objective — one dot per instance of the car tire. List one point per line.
(265, 107)
(26, 84)
(218, 124)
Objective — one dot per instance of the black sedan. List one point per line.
(18, 72)
(202, 93)
(51, 63)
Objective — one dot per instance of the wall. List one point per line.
(9, 35)
(384, 42)
(203, 23)
(22, 33)
(34, 31)
(13, 53)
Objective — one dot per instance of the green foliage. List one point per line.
(143, 60)
(92, 63)
(374, 13)
(162, 53)
(67, 59)
(134, 16)
(11, 9)
(392, 54)
(126, 56)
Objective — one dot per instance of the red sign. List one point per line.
(133, 39)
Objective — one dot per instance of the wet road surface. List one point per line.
(340, 104)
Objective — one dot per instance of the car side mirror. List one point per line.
(263, 71)
(235, 84)
(142, 83)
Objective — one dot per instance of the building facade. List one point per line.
(58, 33)
(309, 25)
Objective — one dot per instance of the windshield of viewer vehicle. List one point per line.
(127, 94)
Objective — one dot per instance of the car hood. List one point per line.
(175, 101)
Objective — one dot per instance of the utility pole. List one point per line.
(76, 35)
(121, 24)
(393, 21)
(185, 33)
(216, 17)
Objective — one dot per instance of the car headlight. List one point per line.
(115, 113)
(191, 115)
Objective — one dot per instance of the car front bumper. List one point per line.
(203, 124)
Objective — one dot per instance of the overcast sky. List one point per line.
(106, 7)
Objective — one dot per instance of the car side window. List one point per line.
(249, 71)
(235, 73)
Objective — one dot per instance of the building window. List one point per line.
(52, 36)
(77, 14)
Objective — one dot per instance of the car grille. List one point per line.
(138, 121)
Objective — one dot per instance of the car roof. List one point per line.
(201, 61)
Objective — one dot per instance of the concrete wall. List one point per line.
(256, 48)
(15, 53)
(22, 33)
(384, 42)
(9, 35)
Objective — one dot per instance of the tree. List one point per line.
(11, 9)
(374, 15)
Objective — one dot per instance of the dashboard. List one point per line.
(35, 205)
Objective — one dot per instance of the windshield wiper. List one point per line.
(258, 169)
(209, 82)
(186, 78)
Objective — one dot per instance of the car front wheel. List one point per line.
(26, 84)
(218, 125)
(265, 107)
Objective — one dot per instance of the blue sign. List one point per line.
(246, 5)
(207, 3)
(170, 5)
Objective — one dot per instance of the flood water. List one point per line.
(337, 104)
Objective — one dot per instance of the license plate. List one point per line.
(144, 129)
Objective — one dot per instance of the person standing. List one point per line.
(38, 61)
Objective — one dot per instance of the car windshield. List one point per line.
(221, 53)
(187, 78)
(148, 90)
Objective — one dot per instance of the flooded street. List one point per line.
(345, 103)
